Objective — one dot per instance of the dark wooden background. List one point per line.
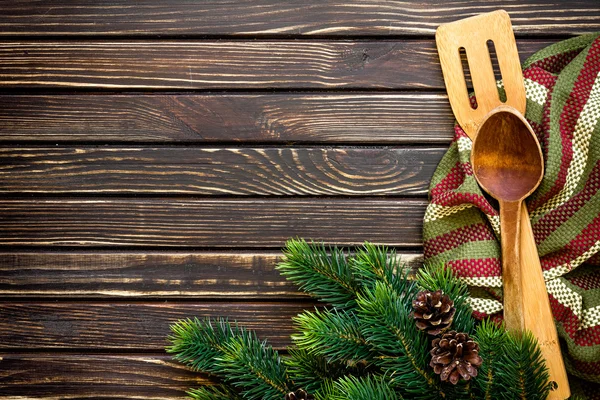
(155, 155)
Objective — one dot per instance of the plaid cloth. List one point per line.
(461, 227)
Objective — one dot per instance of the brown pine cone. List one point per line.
(299, 394)
(433, 311)
(455, 355)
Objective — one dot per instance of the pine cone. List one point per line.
(455, 355)
(434, 311)
(299, 394)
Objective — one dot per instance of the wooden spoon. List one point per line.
(507, 162)
(472, 34)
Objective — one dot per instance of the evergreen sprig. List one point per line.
(524, 368)
(513, 366)
(362, 388)
(492, 340)
(335, 334)
(323, 272)
(373, 264)
(403, 350)
(254, 367)
(198, 343)
(231, 353)
(216, 392)
(313, 372)
(364, 345)
(316, 373)
(439, 277)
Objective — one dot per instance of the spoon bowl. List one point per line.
(506, 156)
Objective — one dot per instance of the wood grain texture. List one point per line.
(133, 326)
(198, 275)
(219, 171)
(80, 376)
(272, 17)
(218, 99)
(230, 117)
(385, 64)
(208, 222)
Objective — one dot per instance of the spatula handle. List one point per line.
(538, 314)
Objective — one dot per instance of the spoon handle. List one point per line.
(510, 217)
(538, 314)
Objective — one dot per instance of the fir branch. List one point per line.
(327, 390)
(366, 347)
(492, 341)
(335, 334)
(232, 353)
(312, 372)
(375, 264)
(254, 367)
(524, 369)
(322, 272)
(404, 350)
(217, 392)
(441, 278)
(513, 366)
(363, 388)
(197, 343)
(461, 391)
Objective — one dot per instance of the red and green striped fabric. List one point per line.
(461, 227)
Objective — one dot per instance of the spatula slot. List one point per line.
(496, 67)
(467, 74)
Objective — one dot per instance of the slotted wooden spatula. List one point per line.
(472, 35)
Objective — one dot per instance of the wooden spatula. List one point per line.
(472, 34)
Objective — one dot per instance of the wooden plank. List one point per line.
(133, 326)
(218, 223)
(385, 64)
(230, 117)
(219, 171)
(81, 376)
(198, 275)
(273, 17)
